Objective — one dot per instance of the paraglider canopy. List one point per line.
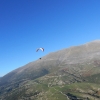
(42, 49)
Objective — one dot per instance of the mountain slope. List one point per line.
(73, 65)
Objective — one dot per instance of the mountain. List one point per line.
(68, 74)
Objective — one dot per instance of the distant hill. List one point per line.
(68, 74)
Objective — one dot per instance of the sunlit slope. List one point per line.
(47, 77)
(84, 54)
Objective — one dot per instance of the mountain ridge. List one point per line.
(77, 64)
(68, 55)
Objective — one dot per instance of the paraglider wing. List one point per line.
(42, 49)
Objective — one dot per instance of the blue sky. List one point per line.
(26, 25)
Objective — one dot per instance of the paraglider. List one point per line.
(42, 49)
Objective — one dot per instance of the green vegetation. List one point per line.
(33, 90)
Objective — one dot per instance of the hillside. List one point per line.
(68, 74)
